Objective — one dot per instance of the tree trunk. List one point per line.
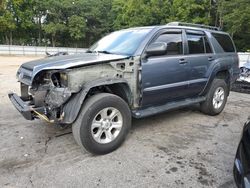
(216, 17)
(221, 15)
(6, 39)
(39, 38)
(53, 41)
(39, 32)
(209, 11)
(10, 37)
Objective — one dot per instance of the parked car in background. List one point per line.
(245, 72)
(242, 159)
(244, 65)
(135, 72)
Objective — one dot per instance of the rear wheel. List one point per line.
(103, 123)
(216, 98)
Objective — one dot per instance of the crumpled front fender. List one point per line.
(72, 108)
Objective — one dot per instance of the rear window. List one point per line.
(225, 42)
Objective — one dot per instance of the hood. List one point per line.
(29, 70)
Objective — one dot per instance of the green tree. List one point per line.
(192, 11)
(7, 23)
(55, 22)
(81, 22)
(39, 10)
(236, 20)
(97, 16)
(53, 29)
(77, 27)
(129, 14)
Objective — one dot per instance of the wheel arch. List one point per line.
(119, 87)
(224, 74)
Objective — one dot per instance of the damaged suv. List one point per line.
(135, 72)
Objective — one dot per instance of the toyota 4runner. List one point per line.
(135, 72)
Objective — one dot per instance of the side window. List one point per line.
(174, 43)
(198, 43)
(195, 44)
(224, 41)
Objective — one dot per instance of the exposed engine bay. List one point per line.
(52, 89)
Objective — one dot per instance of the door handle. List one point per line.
(182, 61)
(210, 58)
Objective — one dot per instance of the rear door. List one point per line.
(200, 57)
(165, 77)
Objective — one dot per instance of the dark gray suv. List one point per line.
(135, 72)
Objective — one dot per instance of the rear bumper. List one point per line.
(22, 106)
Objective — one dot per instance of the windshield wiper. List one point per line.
(89, 51)
(104, 52)
(101, 51)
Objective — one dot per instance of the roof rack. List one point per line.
(194, 25)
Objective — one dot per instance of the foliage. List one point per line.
(237, 22)
(82, 22)
(77, 27)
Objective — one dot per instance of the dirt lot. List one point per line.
(182, 148)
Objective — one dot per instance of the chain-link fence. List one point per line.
(36, 50)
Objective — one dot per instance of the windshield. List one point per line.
(124, 42)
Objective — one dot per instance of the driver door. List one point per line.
(165, 77)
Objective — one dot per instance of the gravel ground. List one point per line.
(242, 87)
(182, 148)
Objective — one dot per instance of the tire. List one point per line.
(214, 104)
(103, 123)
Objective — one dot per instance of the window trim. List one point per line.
(209, 44)
(198, 33)
(163, 31)
(231, 40)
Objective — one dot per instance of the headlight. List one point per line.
(64, 79)
(59, 79)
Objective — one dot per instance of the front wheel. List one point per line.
(103, 123)
(216, 98)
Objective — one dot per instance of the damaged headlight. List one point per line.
(59, 93)
(50, 87)
(59, 79)
(64, 78)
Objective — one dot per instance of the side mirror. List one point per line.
(156, 48)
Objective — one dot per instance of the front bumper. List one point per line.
(24, 107)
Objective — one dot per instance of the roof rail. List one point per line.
(194, 25)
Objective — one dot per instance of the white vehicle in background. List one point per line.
(244, 64)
